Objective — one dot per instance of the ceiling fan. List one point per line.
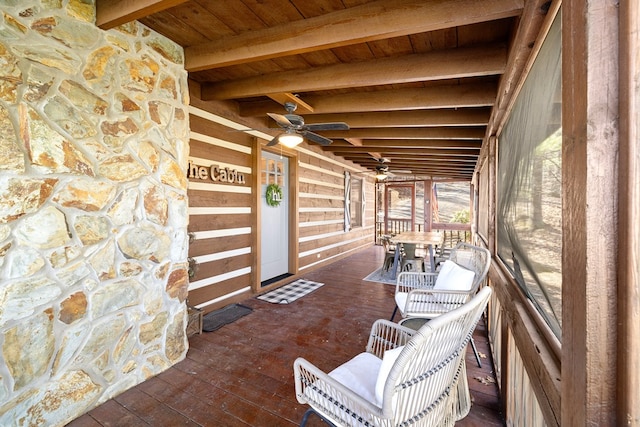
(382, 171)
(295, 129)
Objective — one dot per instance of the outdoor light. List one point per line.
(290, 139)
(381, 173)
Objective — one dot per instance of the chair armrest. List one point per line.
(386, 335)
(317, 389)
(409, 280)
(430, 303)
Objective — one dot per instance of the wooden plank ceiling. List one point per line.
(421, 83)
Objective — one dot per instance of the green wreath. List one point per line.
(273, 195)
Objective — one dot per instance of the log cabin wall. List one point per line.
(224, 217)
(220, 213)
(322, 236)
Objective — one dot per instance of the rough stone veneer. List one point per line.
(93, 209)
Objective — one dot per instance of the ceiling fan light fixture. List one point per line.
(381, 173)
(290, 139)
(381, 176)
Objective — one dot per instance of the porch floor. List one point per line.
(241, 375)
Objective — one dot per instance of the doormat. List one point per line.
(229, 314)
(291, 292)
(381, 276)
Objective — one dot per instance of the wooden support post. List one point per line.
(589, 216)
(493, 185)
(628, 376)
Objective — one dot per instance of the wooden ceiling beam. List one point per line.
(420, 176)
(284, 97)
(422, 152)
(368, 161)
(399, 165)
(354, 141)
(408, 163)
(437, 167)
(435, 65)
(419, 118)
(111, 13)
(367, 22)
(377, 144)
(413, 158)
(467, 133)
(433, 168)
(433, 97)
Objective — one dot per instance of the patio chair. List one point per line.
(405, 377)
(449, 241)
(409, 260)
(389, 252)
(429, 295)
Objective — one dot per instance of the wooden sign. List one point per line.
(216, 173)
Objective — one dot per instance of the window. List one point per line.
(272, 172)
(529, 211)
(400, 208)
(451, 202)
(357, 202)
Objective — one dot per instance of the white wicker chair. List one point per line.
(428, 295)
(422, 384)
(417, 293)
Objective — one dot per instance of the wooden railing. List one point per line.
(453, 237)
(395, 226)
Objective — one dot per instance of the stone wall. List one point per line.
(93, 209)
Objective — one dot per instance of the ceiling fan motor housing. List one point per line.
(296, 121)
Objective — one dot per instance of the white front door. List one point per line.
(274, 251)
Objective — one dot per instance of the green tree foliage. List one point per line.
(460, 217)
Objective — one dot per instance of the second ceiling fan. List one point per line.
(295, 128)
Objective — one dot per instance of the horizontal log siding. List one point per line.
(220, 214)
(321, 210)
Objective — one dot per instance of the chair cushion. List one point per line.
(359, 375)
(388, 359)
(401, 300)
(452, 277)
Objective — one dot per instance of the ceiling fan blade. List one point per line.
(327, 126)
(273, 142)
(280, 119)
(380, 160)
(316, 138)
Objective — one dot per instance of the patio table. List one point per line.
(427, 238)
